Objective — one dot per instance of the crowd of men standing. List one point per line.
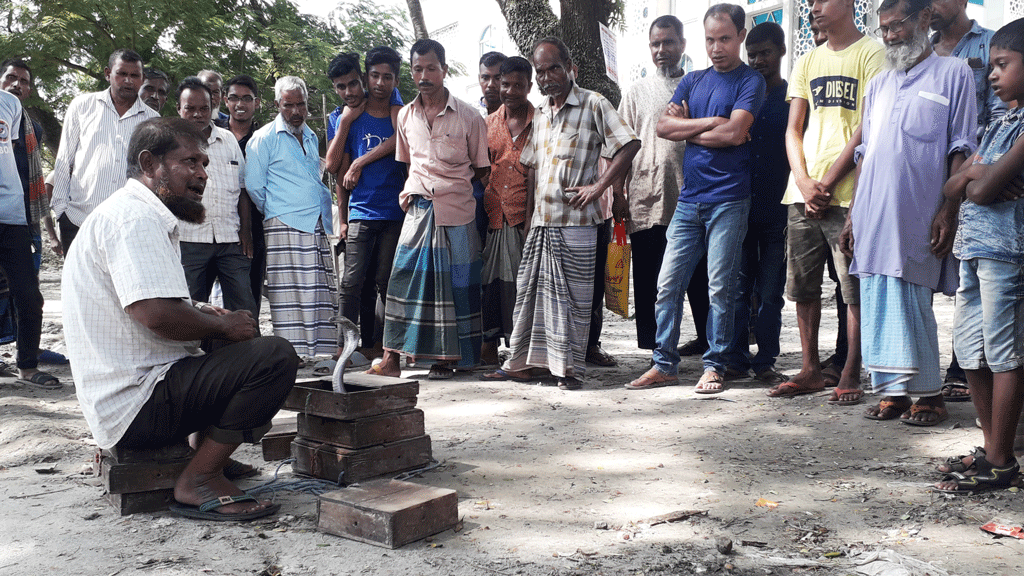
(463, 224)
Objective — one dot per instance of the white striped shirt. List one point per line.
(226, 179)
(127, 251)
(92, 161)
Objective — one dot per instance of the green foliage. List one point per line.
(67, 43)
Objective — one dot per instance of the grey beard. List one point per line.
(296, 130)
(904, 56)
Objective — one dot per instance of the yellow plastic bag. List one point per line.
(616, 273)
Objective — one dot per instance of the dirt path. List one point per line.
(552, 482)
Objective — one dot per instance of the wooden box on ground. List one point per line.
(138, 480)
(277, 443)
(367, 395)
(387, 513)
(362, 433)
(332, 462)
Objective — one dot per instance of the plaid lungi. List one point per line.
(301, 287)
(555, 289)
(502, 256)
(432, 309)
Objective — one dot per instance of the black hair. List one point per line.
(492, 59)
(563, 51)
(343, 64)
(152, 73)
(1009, 37)
(384, 55)
(424, 46)
(243, 80)
(517, 64)
(124, 55)
(913, 6)
(667, 21)
(734, 12)
(18, 63)
(160, 136)
(767, 31)
(192, 83)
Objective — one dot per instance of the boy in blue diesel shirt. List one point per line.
(989, 321)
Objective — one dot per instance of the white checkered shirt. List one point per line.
(92, 161)
(126, 251)
(565, 149)
(226, 179)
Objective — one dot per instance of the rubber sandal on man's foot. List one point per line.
(889, 409)
(837, 394)
(790, 389)
(707, 382)
(206, 510)
(653, 378)
(941, 415)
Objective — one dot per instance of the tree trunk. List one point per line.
(530, 20)
(419, 25)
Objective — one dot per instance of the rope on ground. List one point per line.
(317, 487)
(308, 485)
(406, 475)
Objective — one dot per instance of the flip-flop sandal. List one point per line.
(837, 392)
(440, 373)
(771, 376)
(5, 370)
(324, 367)
(51, 357)
(941, 415)
(376, 370)
(894, 408)
(988, 477)
(569, 383)
(956, 463)
(500, 375)
(709, 377)
(948, 388)
(653, 378)
(789, 389)
(831, 375)
(205, 511)
(43, 380)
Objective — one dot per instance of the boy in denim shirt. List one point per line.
(988, 331)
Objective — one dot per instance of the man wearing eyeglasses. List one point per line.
(242, 102)
(826, 90)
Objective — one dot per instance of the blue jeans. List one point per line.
(715, 229)
(762, 273)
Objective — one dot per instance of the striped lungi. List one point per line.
(301, 287)
(899, 337)
(432, 309)
(555, 289)
(502, 256)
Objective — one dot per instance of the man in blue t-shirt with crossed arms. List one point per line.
(712, 110)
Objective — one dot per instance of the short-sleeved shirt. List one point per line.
(375, 196)
(564, 151)
(833, 83)
(770, 171)
(283, 177)
(441, 158)
(657, 173)
(994, 231)
(719, 174)
(914, 121)
(92, 161)
(335, 115)
(127, 251)
(226, 179)
(12, 196)
(505, 195)
(973, 48)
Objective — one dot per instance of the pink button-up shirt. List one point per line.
(441, 159)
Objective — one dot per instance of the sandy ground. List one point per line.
(551, 482)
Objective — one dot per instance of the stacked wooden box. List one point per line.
(371, 430)
(141, 480)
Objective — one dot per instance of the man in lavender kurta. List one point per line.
(920, 121)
